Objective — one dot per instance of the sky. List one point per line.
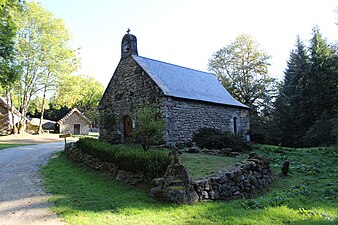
(188, 32)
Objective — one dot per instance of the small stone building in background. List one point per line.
(74, 122)
(188, 99)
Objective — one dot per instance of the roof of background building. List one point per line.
(75, 110)
(182, 82)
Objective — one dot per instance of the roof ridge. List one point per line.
(173, 64)
(71, 112)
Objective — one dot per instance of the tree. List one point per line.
(242, 68)
(81, 92)
(292, 102)
(43, 49)
(322, 86)
(9, 67)
(149, 126)
(306, 107)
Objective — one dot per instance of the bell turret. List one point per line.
(128, 45)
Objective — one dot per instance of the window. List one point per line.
(235, 124)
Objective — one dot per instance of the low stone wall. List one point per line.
(91, 162)
(241, 181)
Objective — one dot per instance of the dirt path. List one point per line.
(23, 200)
(32, 139)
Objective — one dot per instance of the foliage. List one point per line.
(306, 107)
(81, 92)
(42, 43)
(149, 126)
(56, 114)
(321, 132)
(85, 197)
(10, 68)
(152, 163)
(35, 106)
(242, 68)
(215, 139)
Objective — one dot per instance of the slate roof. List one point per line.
(182, 82)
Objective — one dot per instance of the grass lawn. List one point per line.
(308, 196)
(3, 146)
(200, 165)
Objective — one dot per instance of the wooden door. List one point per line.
(77, 128)
(128, 126)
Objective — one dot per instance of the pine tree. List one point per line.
(291, 102)
(324, 75)
(306, 108)
(322, 87)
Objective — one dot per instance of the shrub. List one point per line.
(149, 126)
(151, 163)
(215, 139)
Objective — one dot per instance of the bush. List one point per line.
(151, 163)
(149, 126)
(215, 139)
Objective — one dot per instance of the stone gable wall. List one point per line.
(129, 88)
(184, 117)
(67, 126)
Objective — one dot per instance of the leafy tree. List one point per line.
(81, 92)
(9, 67)
(43, 49)
(242, 68)
(149, 126)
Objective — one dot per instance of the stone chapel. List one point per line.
(189, 99)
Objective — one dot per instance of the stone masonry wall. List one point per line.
(128, 89)
(242, 181)
(184, 117)
(67, 126)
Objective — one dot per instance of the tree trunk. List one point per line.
(14, 128)
(40, 130)
(22, 122)
(10, 123)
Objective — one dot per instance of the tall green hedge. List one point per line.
(151, 163)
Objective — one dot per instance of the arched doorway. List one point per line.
(128, 126)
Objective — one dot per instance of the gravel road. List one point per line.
(23, 200)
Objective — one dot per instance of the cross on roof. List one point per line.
(128, 30)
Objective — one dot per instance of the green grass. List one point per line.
(307, 196)
(4, 146)
(200, 165)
